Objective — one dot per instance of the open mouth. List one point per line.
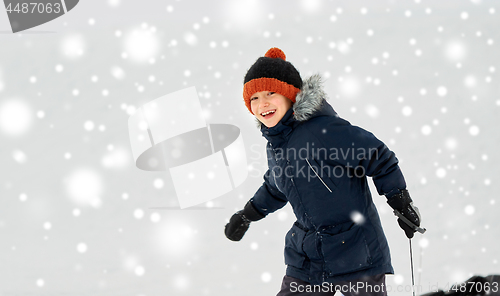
(268, 114)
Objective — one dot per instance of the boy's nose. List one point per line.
(264, 102)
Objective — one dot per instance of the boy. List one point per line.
(319, 162)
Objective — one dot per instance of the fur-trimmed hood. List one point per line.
(310, 101)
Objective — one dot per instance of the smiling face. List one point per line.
(269, 107)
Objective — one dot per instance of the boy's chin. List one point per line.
(267, 123)
(259, 123)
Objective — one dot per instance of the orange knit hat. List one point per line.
(272, 73)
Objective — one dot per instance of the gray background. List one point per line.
(70, 219)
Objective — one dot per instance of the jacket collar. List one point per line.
(281, 130)
(310, 102)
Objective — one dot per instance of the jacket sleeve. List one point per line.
(268, 198)
(358, 149)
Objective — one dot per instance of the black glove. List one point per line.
(403, 203)
(240, 221)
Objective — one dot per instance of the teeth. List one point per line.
(268, 112)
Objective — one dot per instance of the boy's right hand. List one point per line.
(237, 226)
(240, 221)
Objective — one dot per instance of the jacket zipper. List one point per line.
(276, 182)
(276, 160)
(318, 176)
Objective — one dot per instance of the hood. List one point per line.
(310, 101)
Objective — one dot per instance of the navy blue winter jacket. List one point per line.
(319, 162)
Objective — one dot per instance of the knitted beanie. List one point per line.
(272, 73)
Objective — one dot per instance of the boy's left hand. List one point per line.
(403, 203)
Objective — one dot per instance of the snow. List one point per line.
(442, 91)
(138, 214)
(81, 248)
(117, 72)
(470, 81)
(73, 46)
(474, 130)
(357, 217)
(155, 217)
(23, 197)
(139, 271)
(426, 85)
(47, 225)
(441, 173)
(158, 183)
(426, 130)
(455, 50)
(114, 3)
(84, 186)
(76, 212)
(15, 117)
(88, 125)
(407, 110)
(372, 111)
(469, 210)
(181, 282)
(451, 143)
(266, 277)
(282, 216)
(398, 279)
(141, 44)
(350, 86)
(19, 156)
(175, 238)
(191, 38)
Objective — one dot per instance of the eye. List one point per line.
(254, 98)
(270, 93)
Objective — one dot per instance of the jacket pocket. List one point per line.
(345, 252)
(294, 253)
